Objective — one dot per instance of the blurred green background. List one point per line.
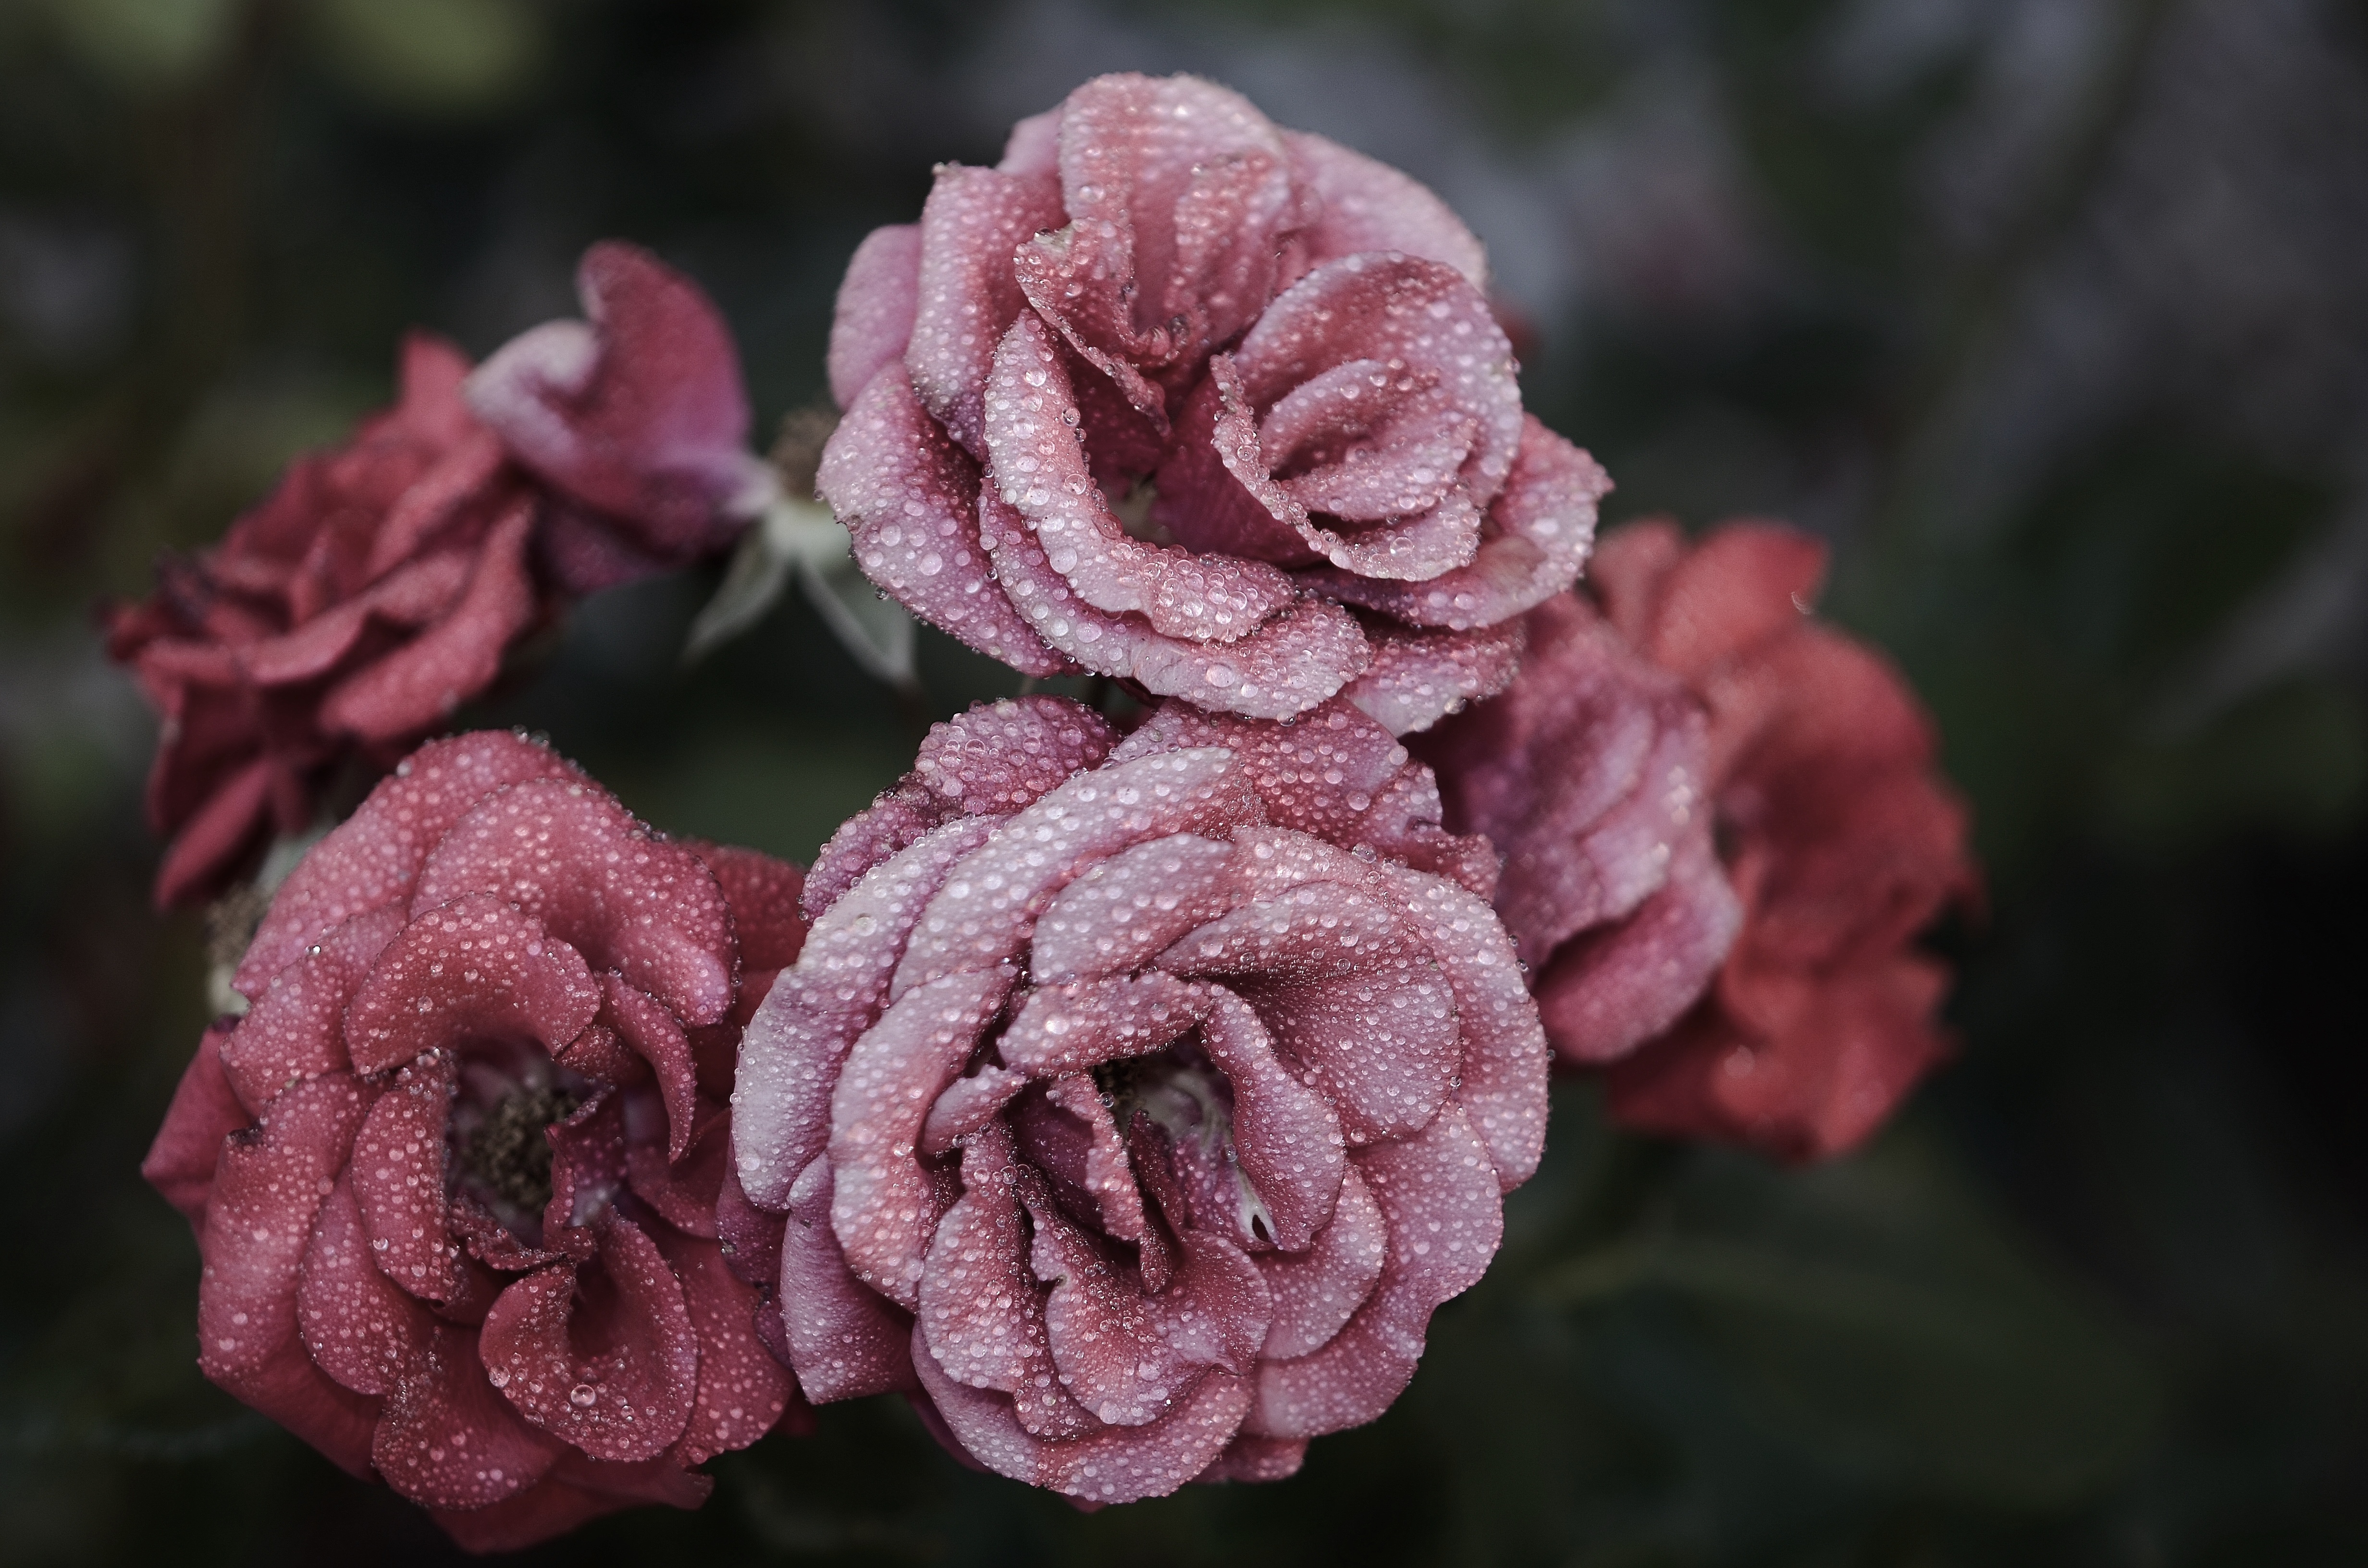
(2050, 314)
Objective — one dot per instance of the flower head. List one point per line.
(380, 585)
(1174, 395)
(1723, 832)
(1135, 1101)
(454, 1173)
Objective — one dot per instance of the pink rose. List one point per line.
(1723, 834)
(1173, 395)
(1135, 1102)
(454, 1174)
(380, 585)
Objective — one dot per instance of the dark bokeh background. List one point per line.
(2053, 315)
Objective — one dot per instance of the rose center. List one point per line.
(1182, 1093)
(506, 1153)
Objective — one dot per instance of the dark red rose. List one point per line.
(1705, 686)
(454, 1174)
(636, 412)
(1173, 395)
(1135, 1102)
(380, 585)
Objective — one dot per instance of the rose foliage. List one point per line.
(1723, 832)
(380, 585)
(1173, 395)
(1135, 1101)
(454, 1174)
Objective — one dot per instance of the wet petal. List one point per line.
(1113, 1465)
(1317, 1290)
(421, 684)
(1438, 1194)
(972, 223)
(205, 1110)
(1346, 992)
(791, 1054)
(1503, 1081)
(569, 856)
(845, 1339)
(632, 1396)
(358, 1326)
(884, 1208)
(909, 499)
(297, 1028)
(1369, 206)
(373, 859)
(982, 914)
(873, 319)
(742, 1391)
(476, 967)
(447, 1439)
(1126, 909)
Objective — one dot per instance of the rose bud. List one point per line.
(454, 1174)
(1135, 1102)
(1173, 395)
(379, 586)
(1723, 832)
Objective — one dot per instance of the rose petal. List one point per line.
(1113, 1465)
(447, 1439)
(629, 1400)
(1317, 1290)
(359, 1326)
(1502, 1086)
(397, 1171)
(884, 1209)
(1419, 677)
(1125, 910)
(791, 1055)
(373, 859)
(1369, 206)
(1615, 988)
(873, 319)
(1438, 1194)
(1286, 1136)
(742, 1391)
(1004, 756)
(909, 498)
(572, 857)
(1285, 667)
(972, 221)
(1348, 993)
(844, 1339)
(982, 914)
(1533, 545)
(639, 412)
(297, 1028)
(763, 895)
(419, 685)
(473, 968)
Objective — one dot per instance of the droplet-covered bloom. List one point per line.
(454, 1173)
(1174, 395)
(1135, 1102)
(1723, 832)
(379, 586)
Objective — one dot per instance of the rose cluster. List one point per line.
(1173, 395)
(1723, 832)
(1135, 1101)
(454, 1174)
(379, 586)
(1136, 1092)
